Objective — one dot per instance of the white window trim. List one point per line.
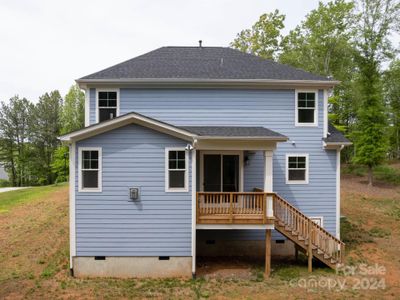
(186, 187)
(287, 168)
(321, 218)
(97, 100)
(100, 170)
(297, 123)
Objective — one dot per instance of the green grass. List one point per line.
(8, 200)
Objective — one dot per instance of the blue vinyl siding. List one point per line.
(274, 109)
(108, 223)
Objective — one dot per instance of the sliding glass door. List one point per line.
(221, 173)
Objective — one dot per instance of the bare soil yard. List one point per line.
(34, 257)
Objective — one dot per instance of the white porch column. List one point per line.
(268, 171)
(194, 190)
(268, 183)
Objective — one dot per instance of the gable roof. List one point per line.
(189, 133)
(201, 64)
(335, 136)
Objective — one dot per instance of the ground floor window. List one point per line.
(297, 168)
(176, 177)
(89, 169)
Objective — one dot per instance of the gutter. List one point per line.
(207, 82)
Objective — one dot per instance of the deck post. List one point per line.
(267, 253)
(309, 251)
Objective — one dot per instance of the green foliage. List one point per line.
(60, 165)
(15, 130)
(387, 174)
(4, 183)
(264, 37)
(73, 111)
(29, 147)
(377, 19)
(379, 232)
(391, 88)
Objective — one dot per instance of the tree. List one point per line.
(391, 87)
(15, 128)
(72, 118)
(46, 129)
(264, 37)
(59, 165)
(73, 111)
(378, 19)
(322, 44)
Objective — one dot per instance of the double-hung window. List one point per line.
(89, 169)
(176, 177)
(107, 102)
(306, 108)
(297, 168)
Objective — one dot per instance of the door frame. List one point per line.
(221, 152)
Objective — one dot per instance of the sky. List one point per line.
(47, 44)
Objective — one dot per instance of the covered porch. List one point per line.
(221, 199)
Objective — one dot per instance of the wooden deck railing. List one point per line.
(233, 208)
(316, 236)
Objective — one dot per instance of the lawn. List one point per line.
(34, 255)
(10, 199)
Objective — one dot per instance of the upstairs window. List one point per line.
(107, 105)
(306, 108)
(297, 169)
(89, 169)
(176, 170)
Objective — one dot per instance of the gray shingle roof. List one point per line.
(201, 63)
(335, 136)
(234, 131)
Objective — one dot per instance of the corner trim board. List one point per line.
(194, 189)
(72, 226)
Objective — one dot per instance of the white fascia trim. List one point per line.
(287, 169)
(194, 190)
(104, 89)
(243, 138)
(325, 113)
(338, 193)
(296, 117)
(100, 170)
(72, 226)
(176, 190)
(103, 126)
(87, 107)
(194, 81)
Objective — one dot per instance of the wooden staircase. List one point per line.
(308, 236)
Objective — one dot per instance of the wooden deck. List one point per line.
(234, 208)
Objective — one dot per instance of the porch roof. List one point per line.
(234, 132)
(189, 133)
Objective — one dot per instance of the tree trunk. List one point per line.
(370, 176)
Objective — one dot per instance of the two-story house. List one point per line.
(192, 151)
